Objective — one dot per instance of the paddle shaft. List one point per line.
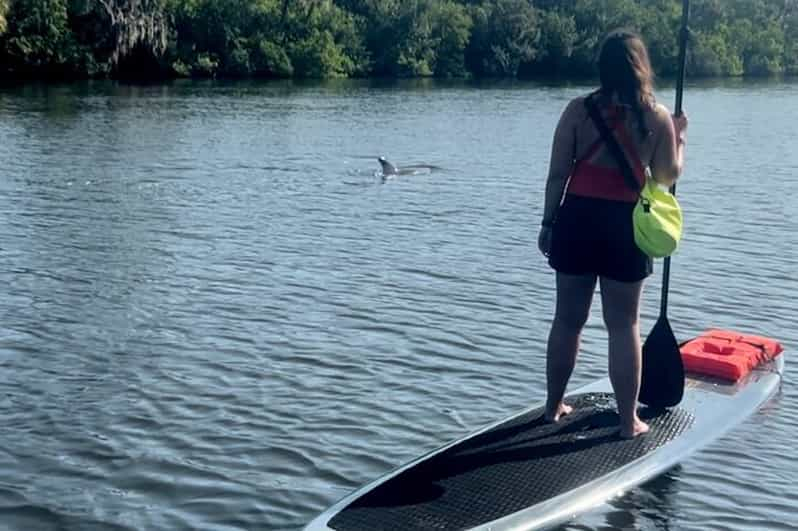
(683, 34)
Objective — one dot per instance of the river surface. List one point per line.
(215, 315)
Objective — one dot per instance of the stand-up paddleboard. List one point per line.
(525, 474)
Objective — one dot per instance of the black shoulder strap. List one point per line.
(612, 144)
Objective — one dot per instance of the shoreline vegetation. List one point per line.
(321, 39)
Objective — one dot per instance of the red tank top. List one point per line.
(602, 182)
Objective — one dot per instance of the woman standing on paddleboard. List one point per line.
(587, 231)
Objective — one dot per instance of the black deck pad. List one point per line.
(510, 467)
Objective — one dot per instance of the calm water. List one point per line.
(215, 316)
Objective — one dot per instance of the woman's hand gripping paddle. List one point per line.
(662, 380)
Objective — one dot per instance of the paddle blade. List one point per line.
(662, 381)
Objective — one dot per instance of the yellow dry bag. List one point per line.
(657, 220)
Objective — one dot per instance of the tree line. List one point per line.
(393, 38)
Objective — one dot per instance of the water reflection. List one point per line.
(647, 506)
(650, 503)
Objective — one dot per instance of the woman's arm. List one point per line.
(561, 162)
(668, 158)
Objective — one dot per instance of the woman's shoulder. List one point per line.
(659, 118)
(574, 104)
(575, 108)
(660, 112)
(579, 102)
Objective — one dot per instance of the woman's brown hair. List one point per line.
(625, 70)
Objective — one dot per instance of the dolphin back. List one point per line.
(387, 167)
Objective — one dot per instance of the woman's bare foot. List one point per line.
(554, 416)
(639, 428)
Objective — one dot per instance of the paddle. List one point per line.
(662, 381)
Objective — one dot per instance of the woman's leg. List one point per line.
(574, 295)
(621, 309)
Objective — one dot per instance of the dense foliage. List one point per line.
(339, 38)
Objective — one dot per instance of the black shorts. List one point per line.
(596, 236)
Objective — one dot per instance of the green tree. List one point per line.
(790, 25)
(38, 37)
(332, 38)
(432, 39)
(505, 36)
(3, 13)
(212, 35)
(325, 40)
(450, 31)
(660, 23)
(763, 54)
(268, 59)
(391, 36)
(594, 18)
(558, 37)
(711, 55)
